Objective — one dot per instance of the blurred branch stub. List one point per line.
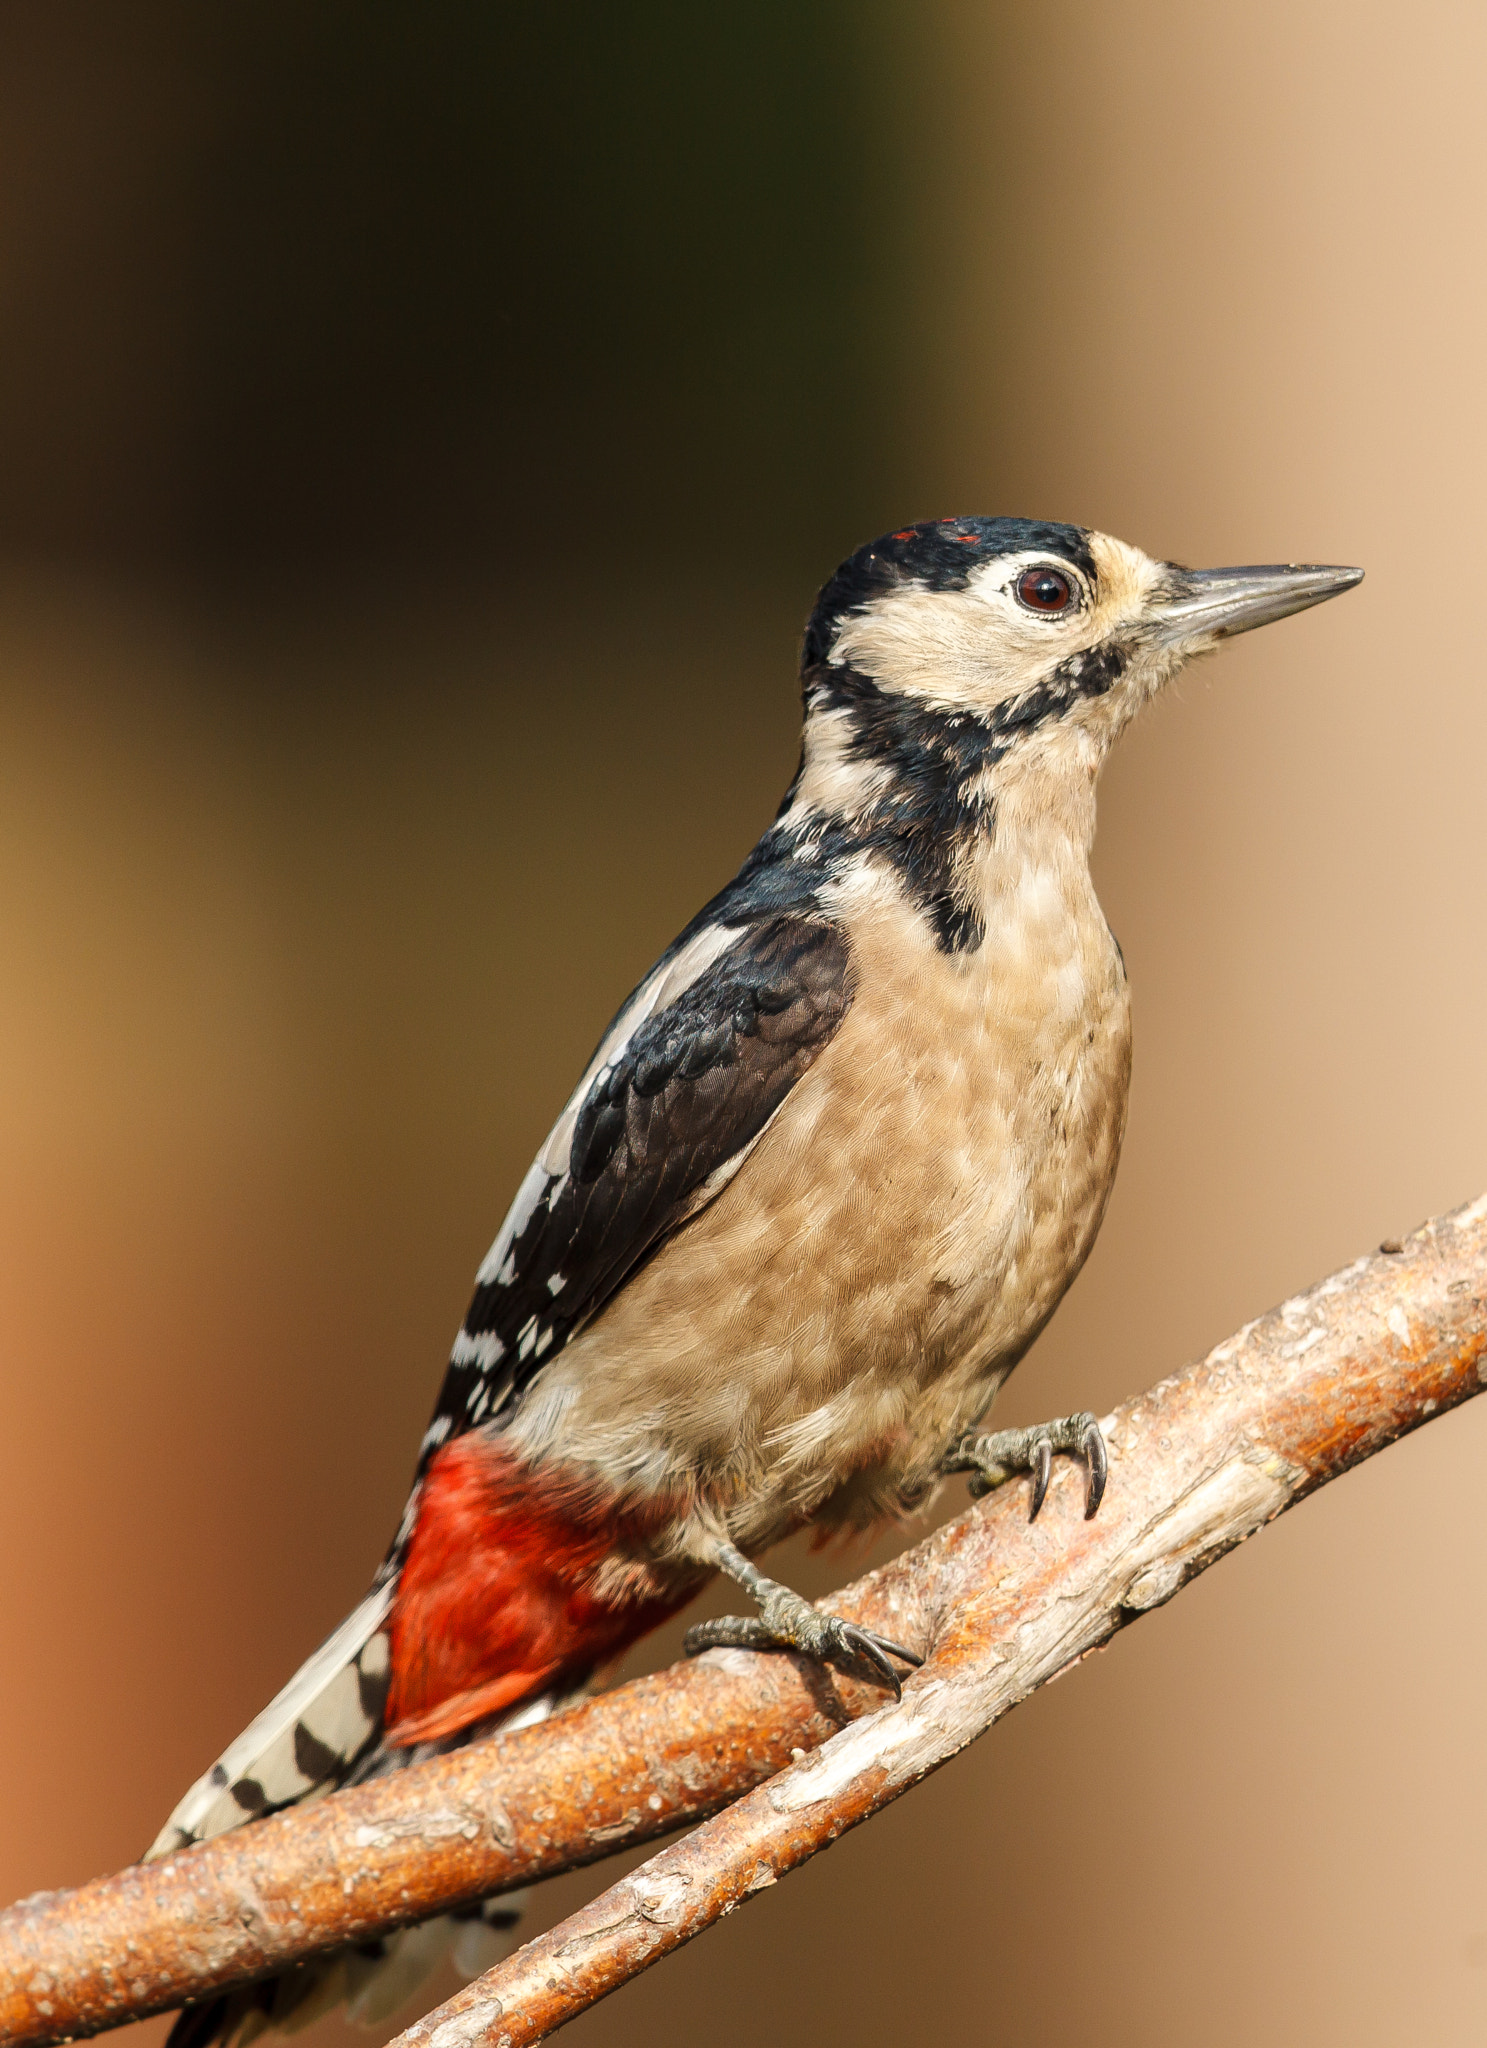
(1198, 1463)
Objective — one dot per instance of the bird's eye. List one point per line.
(1045, 590)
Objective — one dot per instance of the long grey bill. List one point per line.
(1229, 601)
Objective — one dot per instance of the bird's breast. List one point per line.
(899, 1234)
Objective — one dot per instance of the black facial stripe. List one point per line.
(925, 818)
(1092, 674)
(922, 822)
(926, 863)
(926, 815)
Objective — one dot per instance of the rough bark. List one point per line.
(998, 1607)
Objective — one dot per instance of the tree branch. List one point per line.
(1197, 1464)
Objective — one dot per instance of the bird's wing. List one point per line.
(691, 1072)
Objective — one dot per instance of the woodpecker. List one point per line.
(826, 1177)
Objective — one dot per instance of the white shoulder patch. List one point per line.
(319, 1722)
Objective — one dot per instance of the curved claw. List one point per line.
(910, 1657)
(1098, 1462)
(862, 1647)
(886, 1644)
(992, 1460)
(859, 1646)
(1042, 1469)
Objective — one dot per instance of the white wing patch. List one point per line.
(319, 1722)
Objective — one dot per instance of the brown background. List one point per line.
(421, 432)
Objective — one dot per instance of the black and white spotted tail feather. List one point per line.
(322, 1732)
(309, 1736)
(372, 1979)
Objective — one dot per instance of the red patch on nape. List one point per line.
(495, 1599)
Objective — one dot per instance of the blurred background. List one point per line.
(422, 431)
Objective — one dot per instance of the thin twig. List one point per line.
(1196, 1465)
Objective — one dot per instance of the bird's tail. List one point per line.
(323, 1731)
(371, 1981)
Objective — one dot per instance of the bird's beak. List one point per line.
(1217, 603)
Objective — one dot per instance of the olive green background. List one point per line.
(422, 430)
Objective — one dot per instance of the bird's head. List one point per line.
(1038, 636)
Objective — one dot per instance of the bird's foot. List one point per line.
(993, 1460)
(787, 1621)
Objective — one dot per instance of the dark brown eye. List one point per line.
(1045, 590)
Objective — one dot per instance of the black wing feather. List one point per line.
(695, 1084)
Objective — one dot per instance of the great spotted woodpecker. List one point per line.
(826, 1177)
